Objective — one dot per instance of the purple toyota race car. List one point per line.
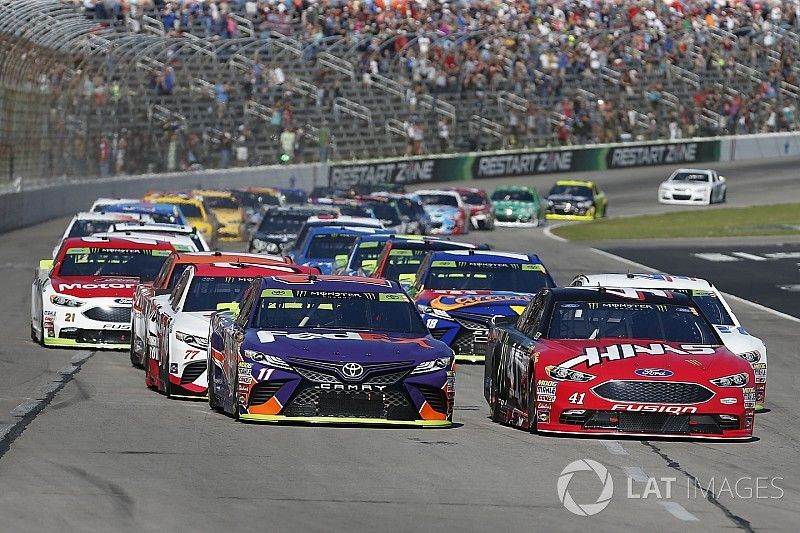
(328, 349)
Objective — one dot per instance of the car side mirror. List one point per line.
(230, 307)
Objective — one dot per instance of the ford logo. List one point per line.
(124, 301)
(653, 372)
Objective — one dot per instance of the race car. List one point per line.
(143, 316)
(481, 212)
(279, 226)
(401, 258)
(323, 244)
(177, 366)
(181, 243)
(152, 228)
(159, 212)
(448, 212)
(713, 306)
(85, 224)
(328, 349)
(101, 204)
(294, 196)
(363, 257)
(254, 199)
(227, 210)
(196, 211)
(84, 300)
(458, 292)
(416, 218)
(691, 186)
(518, 206)
(576, 200)
(602, 361)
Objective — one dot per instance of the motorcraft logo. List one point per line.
(653, 372)
(592, 356)
(71, 286)
(585, 509)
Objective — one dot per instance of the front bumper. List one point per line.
(331, 420)
(70, 327)
(467, 338)
(562, 216)
(683, 198)
(231, 232)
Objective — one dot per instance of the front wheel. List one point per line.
(38, 337)
(531, 405)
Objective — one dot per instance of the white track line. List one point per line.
(548, 231)
(614, 447)
(678, 511)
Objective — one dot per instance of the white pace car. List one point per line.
(691, 186)
(712, 305)
(177, 367)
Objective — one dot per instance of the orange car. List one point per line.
(145, 293)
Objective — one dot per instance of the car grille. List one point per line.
(96, 336)
(387, 379)
(333, 369)
(655, 423)
(471, 324)
(316, 377)
(653, 392)
(681, 196)
(391, 404)
(193, 371)
(438, 333)
(262, 392)
(470, 342)
(112, 314)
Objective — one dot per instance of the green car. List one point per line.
(518, 207)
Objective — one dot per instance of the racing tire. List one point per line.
(724, 196)
(212, 398)
(531, 406)
(494, 407)
(136, 361)
(38, 338)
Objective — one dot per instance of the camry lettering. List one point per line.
(592, 356)
(343, 387)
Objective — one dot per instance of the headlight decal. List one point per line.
(736, 380)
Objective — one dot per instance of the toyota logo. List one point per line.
(352, 370)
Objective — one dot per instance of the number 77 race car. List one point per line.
(85, 299)
(592, 360)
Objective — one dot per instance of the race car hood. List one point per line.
(515, 205)
(738, 341)
(622, 358)
(195, 323)
(567, 198)
(344, 346)
(488, 303)
(688, 185)
(228, 216)
(95, 286)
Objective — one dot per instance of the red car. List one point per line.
(603, 361)
(481, 214)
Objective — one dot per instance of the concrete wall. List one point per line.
(765, 146)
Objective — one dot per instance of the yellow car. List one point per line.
(229, 212)
(575, 200)
(195, 210)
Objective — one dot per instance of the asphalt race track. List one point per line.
(103, 453)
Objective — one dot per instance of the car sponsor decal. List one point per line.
(448, 303)
(635, 407)
(592, 356)
(267, 337)
(760, 370)
(72, 286)
(728, 401)
(395, 252)
(653, 372)
(546, 391)
(749, 397)
(543, 417)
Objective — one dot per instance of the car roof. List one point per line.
(380, 237)
(330, 283)
(231, 257)
(485, 256)
(436, 191)
(303, 210)
(177, 240)
(695, 170)
(513, 188)
(619, 295)
(173, 198)
(222, 269)
(646, 281)
(582, 183)
(432, 243)
(102, 215)
(134, 243)
(159, 227)
(345, 220)
(354, 230)
(212, 192)
(143, 207)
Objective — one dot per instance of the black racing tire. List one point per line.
(531, 405)
(136, 361)
(494, 408)
(38, 338)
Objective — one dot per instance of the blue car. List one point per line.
(363, 258)
(294, 196)
(322, 244)
(161, 213)
(459, 291)
(328, 349)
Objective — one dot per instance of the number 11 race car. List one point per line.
(617, 362)
(329, 349)
(85, 299)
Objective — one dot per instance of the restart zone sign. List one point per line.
(527, 163)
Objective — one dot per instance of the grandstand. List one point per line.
(102, 87)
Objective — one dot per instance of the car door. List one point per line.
(166, 316)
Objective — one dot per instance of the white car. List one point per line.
(101, 203)
(181, 243)
(177, 367)
(155, 229)
(345, 220)
(713, 306)
(88, 223)
(691, 186)
(84, 299)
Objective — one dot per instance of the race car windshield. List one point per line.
(578, 191)
(713, 309)
(457, 275)
(690, 177)
(512, 196)
(473, 198)
(356, 211)
(222, 202)
(162, 218)
(329, 246)
(384, 211)
(177, 272)
(191, 211)
(295, 197)
(410, 208)
(281, 223)
(367, 251)
(623, 320)
(364, 311)
(403, 262)
(142, 264)
(439, 199)
(84, 228)
(206, 292)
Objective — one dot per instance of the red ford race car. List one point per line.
(85, 299)
(481, 212)
(607, 361)
(143, 324)
(182, 321)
